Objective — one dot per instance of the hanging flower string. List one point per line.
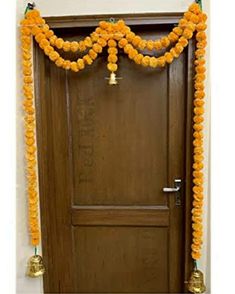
(116, 35)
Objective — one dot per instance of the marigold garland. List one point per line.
(114, 36)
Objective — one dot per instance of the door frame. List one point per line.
(134, 19)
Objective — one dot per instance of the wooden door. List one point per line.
(105, 154)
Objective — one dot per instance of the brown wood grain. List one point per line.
(105, 153)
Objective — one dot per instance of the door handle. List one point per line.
(176, 190)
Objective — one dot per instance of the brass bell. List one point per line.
(35, 266)
(196, 282)
(112, 79)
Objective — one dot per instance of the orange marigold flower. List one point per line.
(173, 37)
(112, 67)
(169, 57)
(59, 62)
(194, 18)
(112, 43)
(87, 59)
(165, 42)
(136, 40)
(48, 49)
(66, 46)
(127, 48)
(112, 58)
(198, 110)
(130, 36)
(74, 66)
(102, 42)
(74, 46)
(49, 34)
(153, 62)
(183, 41)
(187, 33)
(183, 23)
(142, 44)
(201, 26)
(59, 43)
(179, 48)
(80, 63)
(178, 31)
(54, 55)
(138, 58)
(188, 15)
(161, 61)
(150, 45)
(195, 8)
(92, 54)
(82, 46)
(199, 95)
(158, 45)
(145, 61)
(198, 166)
(174, 53)
(202, 17)
(97, 48)
(132, 53)
(122, 43)
(66, 64)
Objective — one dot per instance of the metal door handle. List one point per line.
(176, 190)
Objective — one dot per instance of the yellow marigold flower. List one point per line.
(138, 58)
(28, 79)
(49, 34)
(198, 166)
(136, 40)
(48, 50)
(178, 31)
(194, 18)
(112, 43)
(74, 66)
(195, 8)
(187, 15)
(150, 45)
(43, 43)
(94, 36)
(39, 37)
(183, 23)
(198, 182)
(173, 37)
(59, 43)
(112, 58)
(198, 157)
(132, 53)
(82, 46)
(122, 43)
(201, 26)
(187, 33)
(127, 48)
(199, 86)
(161, 61)
(158, 45)
(198, 110)
(153, 62)
(92, 54)
(103, 24)
(165, 42)
(52, 40)
(66, 64)
(87, 59)
(97, 48)
(145, 61)
(174, 53)
(54, 55)
(200, 53)
(80, 63)
(130, 36)
(88, 42)
(66, 46)
(45, 28)
(199, 95)
(196, 256)
(25, 31)
(59, 62)
(201, 44)
(179, 48)
(202, 17)
(101, 42)
(142, 44)
(112, 67)
(183, 41)
(169, 57)
(74, 46)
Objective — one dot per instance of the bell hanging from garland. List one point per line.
(112, 79)
(35, 266)
(196, 282)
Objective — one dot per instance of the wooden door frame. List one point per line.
(144, 19)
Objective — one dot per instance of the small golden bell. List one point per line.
(196, 282)
(112, 79)
(35, 267)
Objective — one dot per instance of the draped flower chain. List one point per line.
(114, 36)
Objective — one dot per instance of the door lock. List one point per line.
(176, 190)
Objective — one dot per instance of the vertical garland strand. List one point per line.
(29, 132)
(199, 97)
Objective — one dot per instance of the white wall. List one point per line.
(85, 7)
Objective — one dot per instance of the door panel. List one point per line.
(105, 153)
